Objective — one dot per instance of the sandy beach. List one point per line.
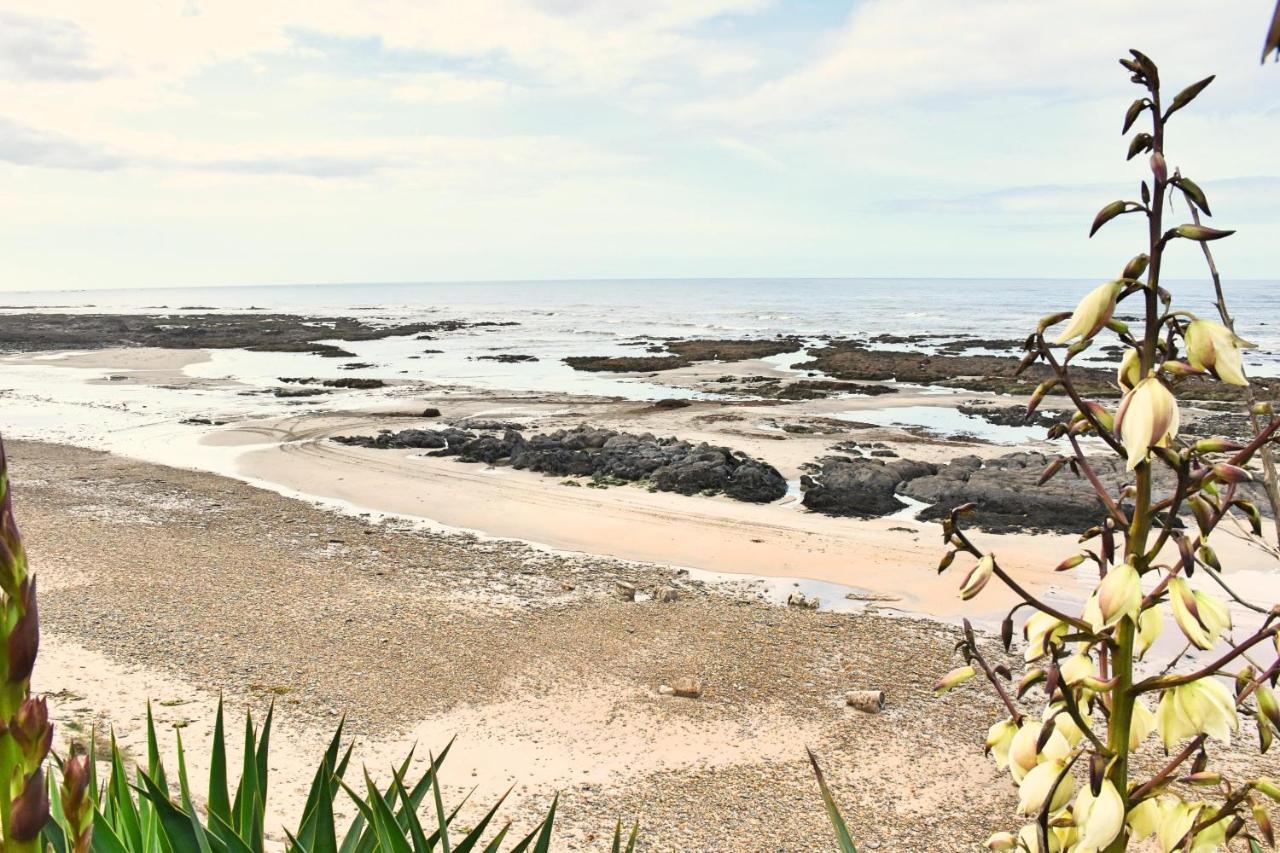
(421, 599)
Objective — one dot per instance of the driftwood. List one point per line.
(867, 701)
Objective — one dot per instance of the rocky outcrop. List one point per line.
(669, 464)
(685, 353)
(861, 488)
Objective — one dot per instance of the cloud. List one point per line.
(945, 53)
(450, 88)
(45, 49)
(28, 146)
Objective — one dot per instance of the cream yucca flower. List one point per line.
(1093, 312)
(1202, 618)
(1204, 706)
(1099, 819)
(1212, 346)
(1001, 841)
(1029, 840)
(1077, 668)
(1119, 594)
(999, 739)
(1062, 722)
(1023, 755)
(1142, 724)
(1042, 784)
(1129, 373)
(1150, 624)
(1148, 417)
(1143, 819)
(1042, 631)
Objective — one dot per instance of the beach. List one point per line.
(201, 529)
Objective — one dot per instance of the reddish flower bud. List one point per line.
(30, 809)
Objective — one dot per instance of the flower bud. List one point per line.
(999, 738)
(954, 679)
(1159, 170)
(1148, 416)
(24, 638)
(32, 732)
(30, 809)
(1201, 617)
(1212, 346)
(977, 577)
(1119, 594)
(1136, 267)
(1129, 373)
(1093, 312)
(1217, 445)
(1229, 473)
(1070, 563)
(1267, 704)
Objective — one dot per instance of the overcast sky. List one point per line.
(205, 142)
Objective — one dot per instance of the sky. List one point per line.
(218, 142)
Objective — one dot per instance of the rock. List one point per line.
(431, 412)
(867, 701)
(666, 690)
(799, 599)
(348, 382)
(690, 688)
(666, 594)
(298, 392)
(507, 358)
(625, 590)
(670, 464)
(861, 488)
(671, 403)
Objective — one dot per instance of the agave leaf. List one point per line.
(242, 818)
(155, 769)
(187, 806)
(219, 803)
(410, 814)
(467, 844)
(175, 825)
(544, 837)
(837, 821)
(264, 749)
(496, 843)
(122, 812)
(390, 838)
(222, 830)
(435, 793)
(104, 838)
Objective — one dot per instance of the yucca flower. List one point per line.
(1141, 724)
(1093, 312)
(1024, 755)
(1119, 594)
(1212, 346)
(1150, 626)
(1042, 784)
(1168, 818)
(999, 739)
(1077, 668)
(1129, 373)
(1148, 417)
(1042, 631)
(1001, 841)
(1099, 818)
(1202, 617)
(1204, 706)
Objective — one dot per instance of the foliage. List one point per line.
(1093, 707)
(143, 815)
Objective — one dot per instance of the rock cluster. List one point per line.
(862, 488)
(669, 464)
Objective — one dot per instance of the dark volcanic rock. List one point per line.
(262, 332)
(362, 384)
(859, 487)
(1008, 498)
(668, 463)
(684, 353)
(1009, 415)
(507, 358)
